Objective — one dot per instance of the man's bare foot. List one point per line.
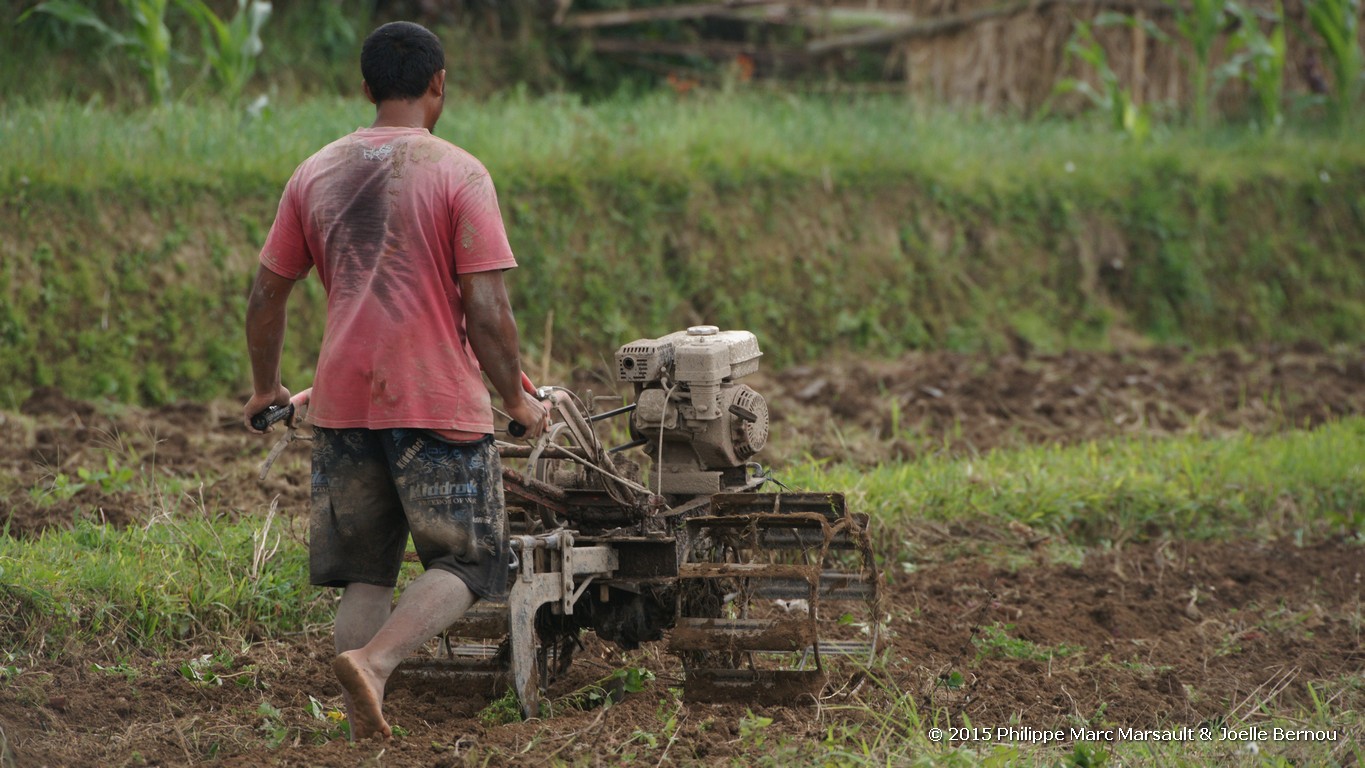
(366, 693)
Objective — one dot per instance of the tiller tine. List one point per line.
(776, 585)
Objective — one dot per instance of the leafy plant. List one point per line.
(111, 479)
(272, 724)
(952, 680)
(1087, 756)
(503, 710)
(995, 640)
(230, 47)
(148, 39)
(334, 720)
(1125, 114)
(1199, 22)
(609, 690)
(1259, 59)
(120, 668)
(753, 729)
(60, 488)
(9, 668)
(201, 670)
(1337, 22)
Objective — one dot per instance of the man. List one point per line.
(406, 236)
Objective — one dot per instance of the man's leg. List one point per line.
(429, 605)
(363, 610)
(357, 532)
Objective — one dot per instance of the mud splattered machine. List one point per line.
(759, 593)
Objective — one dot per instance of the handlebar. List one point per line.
(275, 413)
(516, 428)
(262, 421)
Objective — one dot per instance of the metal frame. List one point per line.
(552, 570)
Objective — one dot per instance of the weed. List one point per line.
(272, 724)
(607, 691)
(155, 586)
(335, 724)
(121, 668)
(504, 710)
(995, 641)
(111, 479)
(753, 729)
(9, 667)
(60, 487)
(1127, 489)
(951, 680)
(1084, 755)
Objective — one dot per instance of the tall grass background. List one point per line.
(715, 138)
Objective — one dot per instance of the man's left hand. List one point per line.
(259, 402)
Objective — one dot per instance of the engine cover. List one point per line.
(734, 428)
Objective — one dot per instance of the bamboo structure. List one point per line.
(1000, 54)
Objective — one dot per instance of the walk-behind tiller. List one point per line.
(760, 594)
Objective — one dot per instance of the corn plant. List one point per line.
(1337, 22)
(147, 39)
(1125, 113)
(230, 47)
(1259, 59)
(1199, 24)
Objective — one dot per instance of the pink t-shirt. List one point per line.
(390, 217)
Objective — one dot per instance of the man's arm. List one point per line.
(265, 321)
(494, 339)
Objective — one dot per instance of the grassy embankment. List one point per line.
(866, 225)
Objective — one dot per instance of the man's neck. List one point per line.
(400, 114)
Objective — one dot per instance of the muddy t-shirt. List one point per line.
(390, 217)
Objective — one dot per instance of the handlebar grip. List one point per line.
(270, 415)
(516, 429)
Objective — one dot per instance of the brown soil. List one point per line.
(1165, 634)
(201, 447)
(1039, 635)
(870, 411)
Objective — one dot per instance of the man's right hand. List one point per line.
(530, 413)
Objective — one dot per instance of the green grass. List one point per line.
(173, 581)
(1297, 483)
(716, 137)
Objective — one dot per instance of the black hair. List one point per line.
(399, 59)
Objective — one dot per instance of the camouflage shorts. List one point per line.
(371, 488)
